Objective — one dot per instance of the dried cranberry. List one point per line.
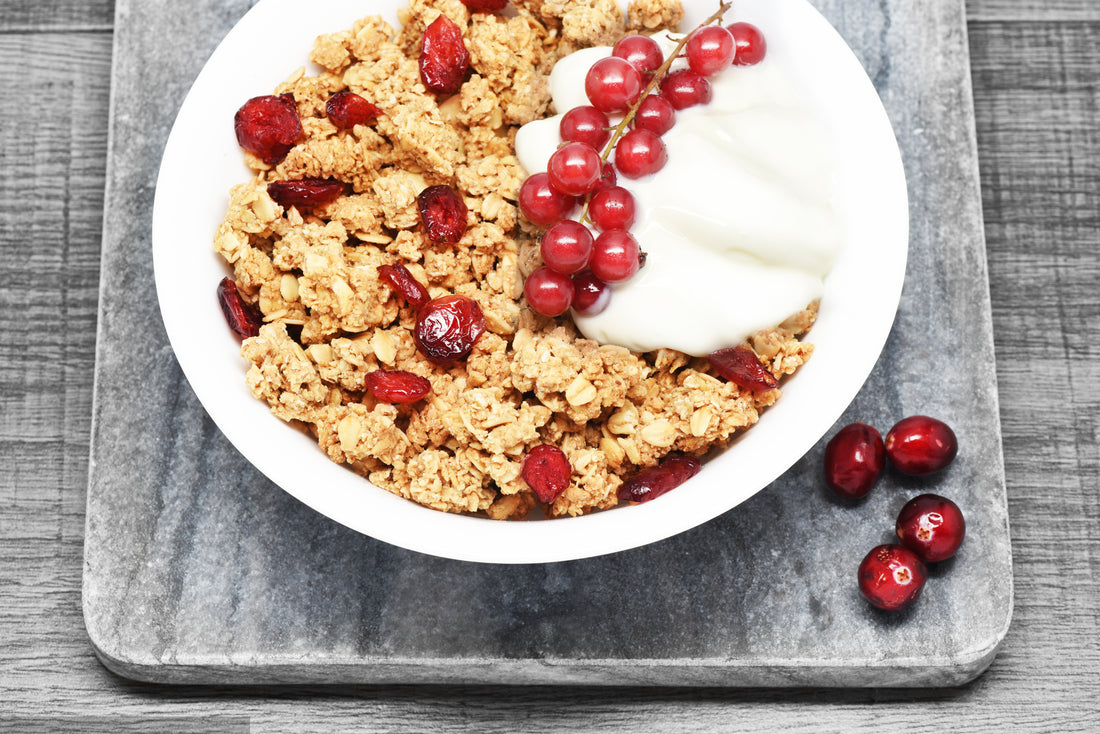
(854, 460)
(345, 110)
(485, 6)
(448, 327)
(243, 317)
(742, 367)
(674, 470)
(931, 526)
(891, 577)
(268, 127)
(443, 212)
(920, 445)
(402, 282)
(397, 386)
(546, 471)
(305, 193)
(443, 57)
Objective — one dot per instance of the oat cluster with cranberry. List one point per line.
(318, 270)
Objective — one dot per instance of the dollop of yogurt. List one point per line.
(739, 228)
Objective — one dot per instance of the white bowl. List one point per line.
(202, 162)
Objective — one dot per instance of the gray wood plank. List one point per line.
(1017, 10)
(1039, 142)
(56, 15)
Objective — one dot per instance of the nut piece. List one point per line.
(580, 392)
(659, 433)
(700, 421)
(348, 431)
(384, 347)
(288, 287)
(624, 421)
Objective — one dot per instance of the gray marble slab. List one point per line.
(197, 569)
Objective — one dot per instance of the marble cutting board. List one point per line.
(199, 570)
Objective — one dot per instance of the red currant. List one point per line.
(590, 294)
(751, 46)
(612, 208)
(641, 52)
(854, 460)
(615, 256)
(932, 527)
(566, 247)
(656, 114)
(709, 50)
(612, 84)
(574, 168)
(548, 292)
(920, 445)
(891, 577)
(541, 203)
(685, 88)
(607, 178)
(586, 125)
(640, 153)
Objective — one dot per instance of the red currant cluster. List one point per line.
(930, 528)
(634, 82)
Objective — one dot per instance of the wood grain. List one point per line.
(77, 16)
(1037, 126)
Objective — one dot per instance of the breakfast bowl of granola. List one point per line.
(525, 282)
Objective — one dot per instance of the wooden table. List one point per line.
(1036, 77)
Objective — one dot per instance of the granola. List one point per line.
(529, 380)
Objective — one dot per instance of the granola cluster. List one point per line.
(330, 321)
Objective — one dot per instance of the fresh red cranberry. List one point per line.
(710, 50)
(655, 114)
(547, 471)
(615, 256)
(854, 460)
(742, 367)
(345, 110)
(612, 84)
(443, 212)
(268, 127)
(641, 52)
(685, 88)
(305, 193)
(612, 208)
(590, 294)
(574, 168)
(920, 445)
(891, 577)
(648, 484)
(586, 125)
(397, 386)
(401, 281)
(751, 46)
(447, 328)
(931, 526)
(548, 292)
(243, 317)
(639, 153)
(541, 203)
(567, 246)
(443, 57)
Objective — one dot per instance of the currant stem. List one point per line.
(619, 130)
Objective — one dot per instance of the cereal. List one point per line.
(330, 320)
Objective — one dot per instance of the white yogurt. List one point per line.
(739, 227)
